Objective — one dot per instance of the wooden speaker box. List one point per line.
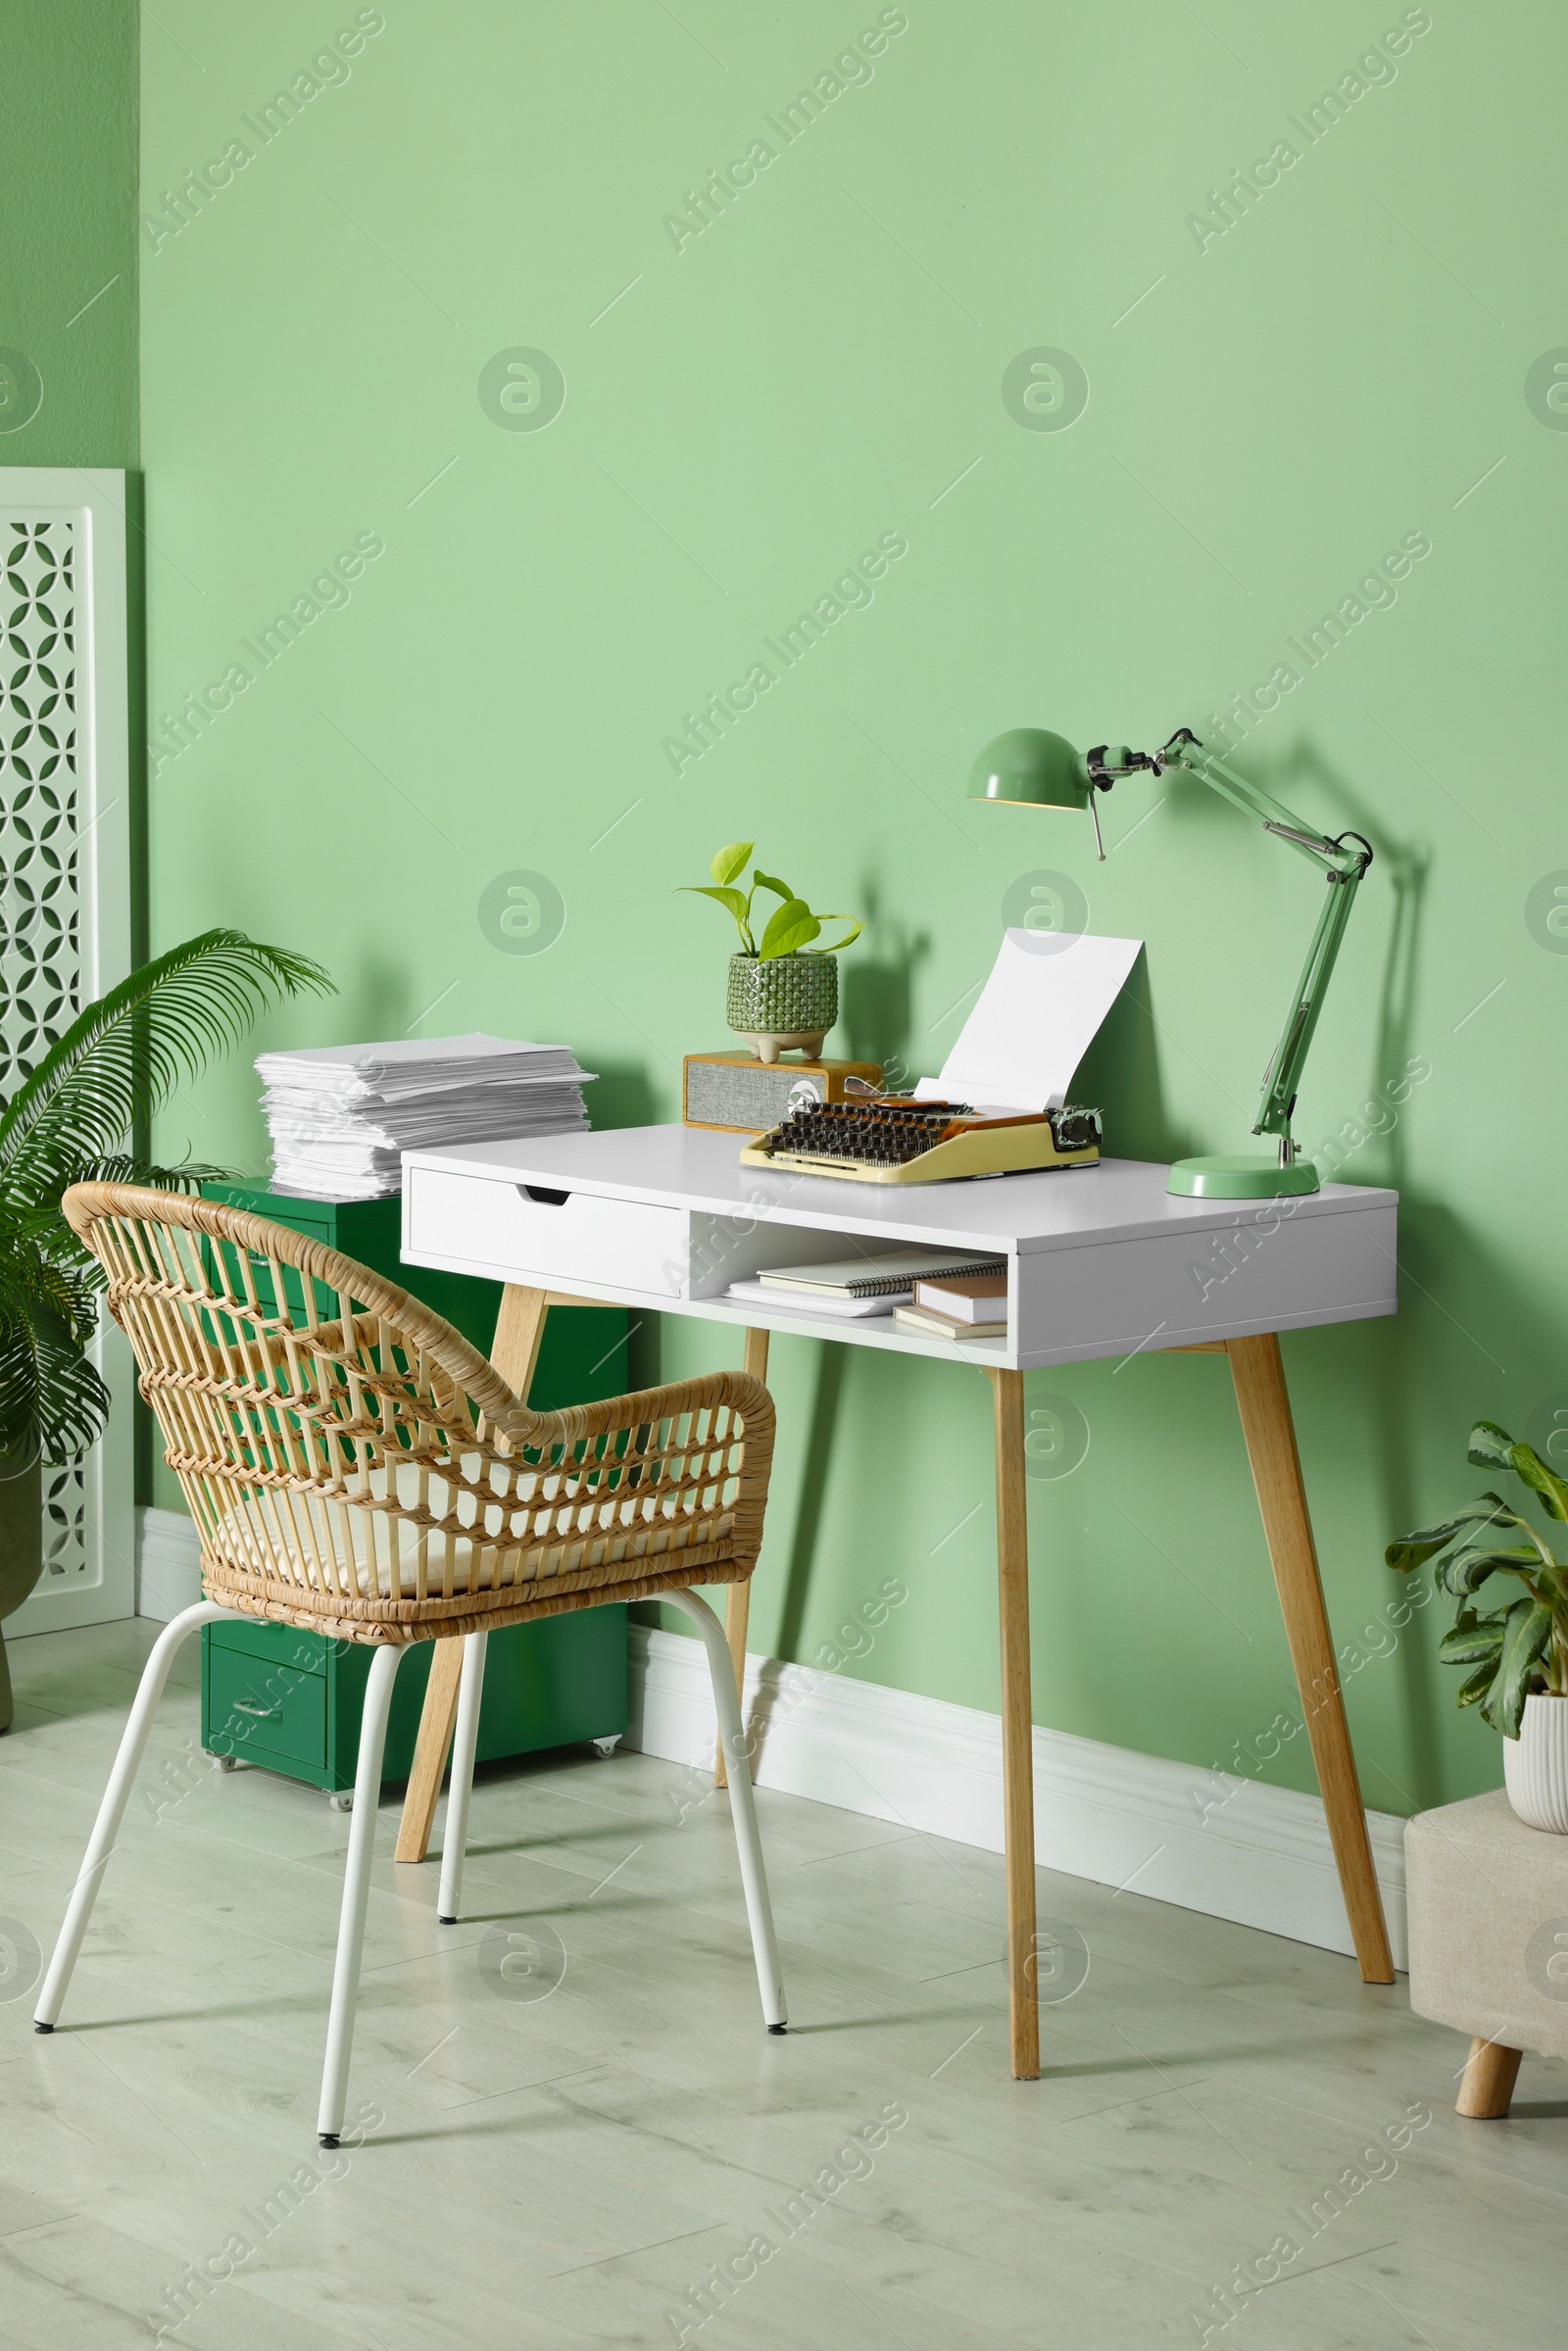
(742, 1095)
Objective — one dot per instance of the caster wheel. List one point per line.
(342, 1803)
(605, 1746)
(221, 1763)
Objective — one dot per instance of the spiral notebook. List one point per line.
(880, 1276)
(835, 1306)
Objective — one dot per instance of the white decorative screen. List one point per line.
(40, 903)
(64, 885)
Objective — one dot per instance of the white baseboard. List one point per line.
(1208, 1841)
(1260, 1856)
(168, 1563)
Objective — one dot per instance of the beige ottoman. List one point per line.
(1489, 1939)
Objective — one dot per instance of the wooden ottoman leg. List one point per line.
(1486, 2092)
(519, 1327)
(1017, 1723)
(1264, 1405)
(738, 1596)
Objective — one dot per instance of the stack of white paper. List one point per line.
(341, 1116)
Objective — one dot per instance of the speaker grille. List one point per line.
(748, 1096)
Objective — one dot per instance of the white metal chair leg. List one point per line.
(464, 1743)
(356, 1893)
(112, 1811)
(743, 1810)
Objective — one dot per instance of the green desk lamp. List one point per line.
(1044, 771)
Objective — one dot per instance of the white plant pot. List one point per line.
(1535, 1765)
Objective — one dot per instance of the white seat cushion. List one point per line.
(529, 1535)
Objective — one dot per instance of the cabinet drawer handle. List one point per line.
(263, 1714)
(543, 1196)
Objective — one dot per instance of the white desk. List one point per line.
(1101, 1261)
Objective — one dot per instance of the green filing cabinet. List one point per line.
(291, 1701)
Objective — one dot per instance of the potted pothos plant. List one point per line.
(73, 1121)
(783, 990)
(1517, 1652)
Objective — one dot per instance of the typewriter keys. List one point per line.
(894, 1139)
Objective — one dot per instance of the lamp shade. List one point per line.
(1027, 764)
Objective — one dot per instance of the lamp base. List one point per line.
(1241, 1175)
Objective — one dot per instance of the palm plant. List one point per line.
(75, 1121)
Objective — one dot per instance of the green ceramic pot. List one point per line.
(782, 997)
(20, 1552)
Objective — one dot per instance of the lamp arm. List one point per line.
(1343, 867)
(1185, 751)
(1283, 1077)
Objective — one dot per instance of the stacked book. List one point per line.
(886, 1283)
(341, 1116)
(959, 1306)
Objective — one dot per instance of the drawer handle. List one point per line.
(542, 1195)
(263, 1714)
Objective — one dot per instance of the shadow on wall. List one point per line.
(827, 1391)
(1404, 870)
(1451, 1282)
(1370, 1145)
(876, 1017)
(1397, 1344)
(1120, 1074)
(622, 1095)
(377, 1002)
(1375, 1139)
(1120, 1077)
(876, 1023)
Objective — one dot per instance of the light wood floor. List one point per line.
(563, 2170)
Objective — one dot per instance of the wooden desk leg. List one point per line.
(1017, 1723)
(1491, 2071)
(1264, 1405)
(738, 1596)
(429, 1764)
(519, 1327)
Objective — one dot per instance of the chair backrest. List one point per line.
(341, 1445)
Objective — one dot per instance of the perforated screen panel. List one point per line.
(65, 904)
(41, 899)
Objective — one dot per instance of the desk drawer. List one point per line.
(541, 1237)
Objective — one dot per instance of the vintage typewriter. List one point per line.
(896, 1138)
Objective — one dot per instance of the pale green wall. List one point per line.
(1334, 372)
(68, 243)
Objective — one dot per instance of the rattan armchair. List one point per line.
(355, 1467)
